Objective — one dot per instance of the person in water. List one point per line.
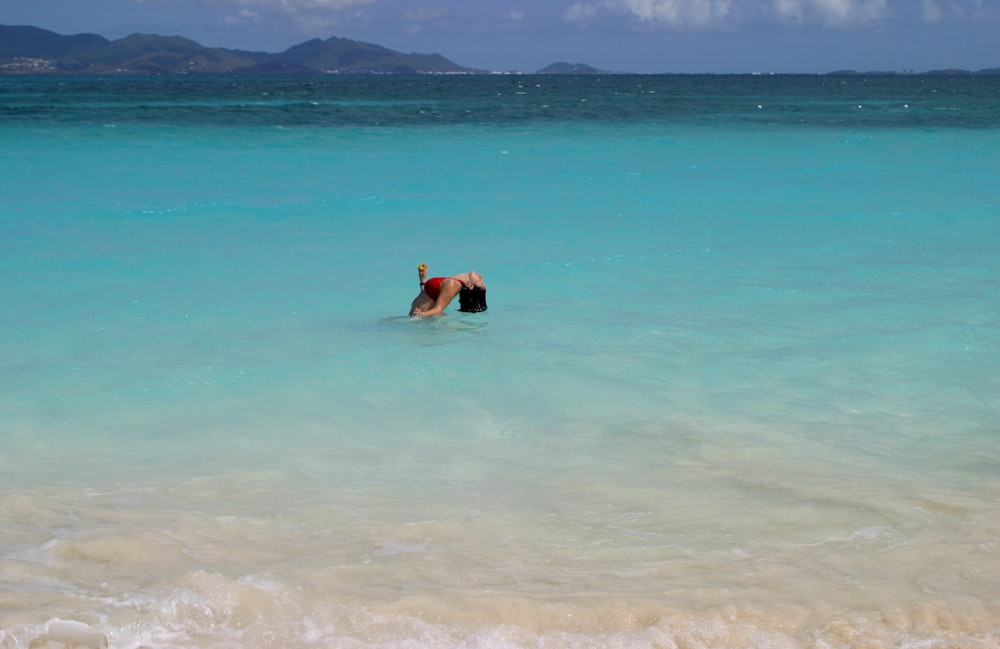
(437, 293)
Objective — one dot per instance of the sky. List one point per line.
(642, 36)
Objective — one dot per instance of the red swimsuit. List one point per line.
(432, 287)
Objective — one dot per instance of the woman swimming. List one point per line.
(437, 293)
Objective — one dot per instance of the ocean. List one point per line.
(737, 385)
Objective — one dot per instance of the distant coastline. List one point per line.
(28, 50)
(32, 50)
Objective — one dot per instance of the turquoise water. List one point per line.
(736, 386)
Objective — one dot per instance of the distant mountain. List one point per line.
(30, 50)
(571, 68)
(929, 73)
(32, 42)
(953, 72)
(354, 57)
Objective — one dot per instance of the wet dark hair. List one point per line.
(472, 300)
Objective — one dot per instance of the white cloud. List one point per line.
(423, 14)
(847, 12)
(931, 12)
(840, 13)
(243, 16)
(669, 12)
(699, 13)
(788, 9)
(580, 12)
(294, 7)
(421, 17)
(680, 12)
(974, 9)
(937, 11)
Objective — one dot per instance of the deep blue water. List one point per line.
(966, 101)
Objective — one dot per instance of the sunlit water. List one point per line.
(737, 385)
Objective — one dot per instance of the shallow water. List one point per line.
(736, 386)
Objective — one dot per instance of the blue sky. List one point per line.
(648, 36)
